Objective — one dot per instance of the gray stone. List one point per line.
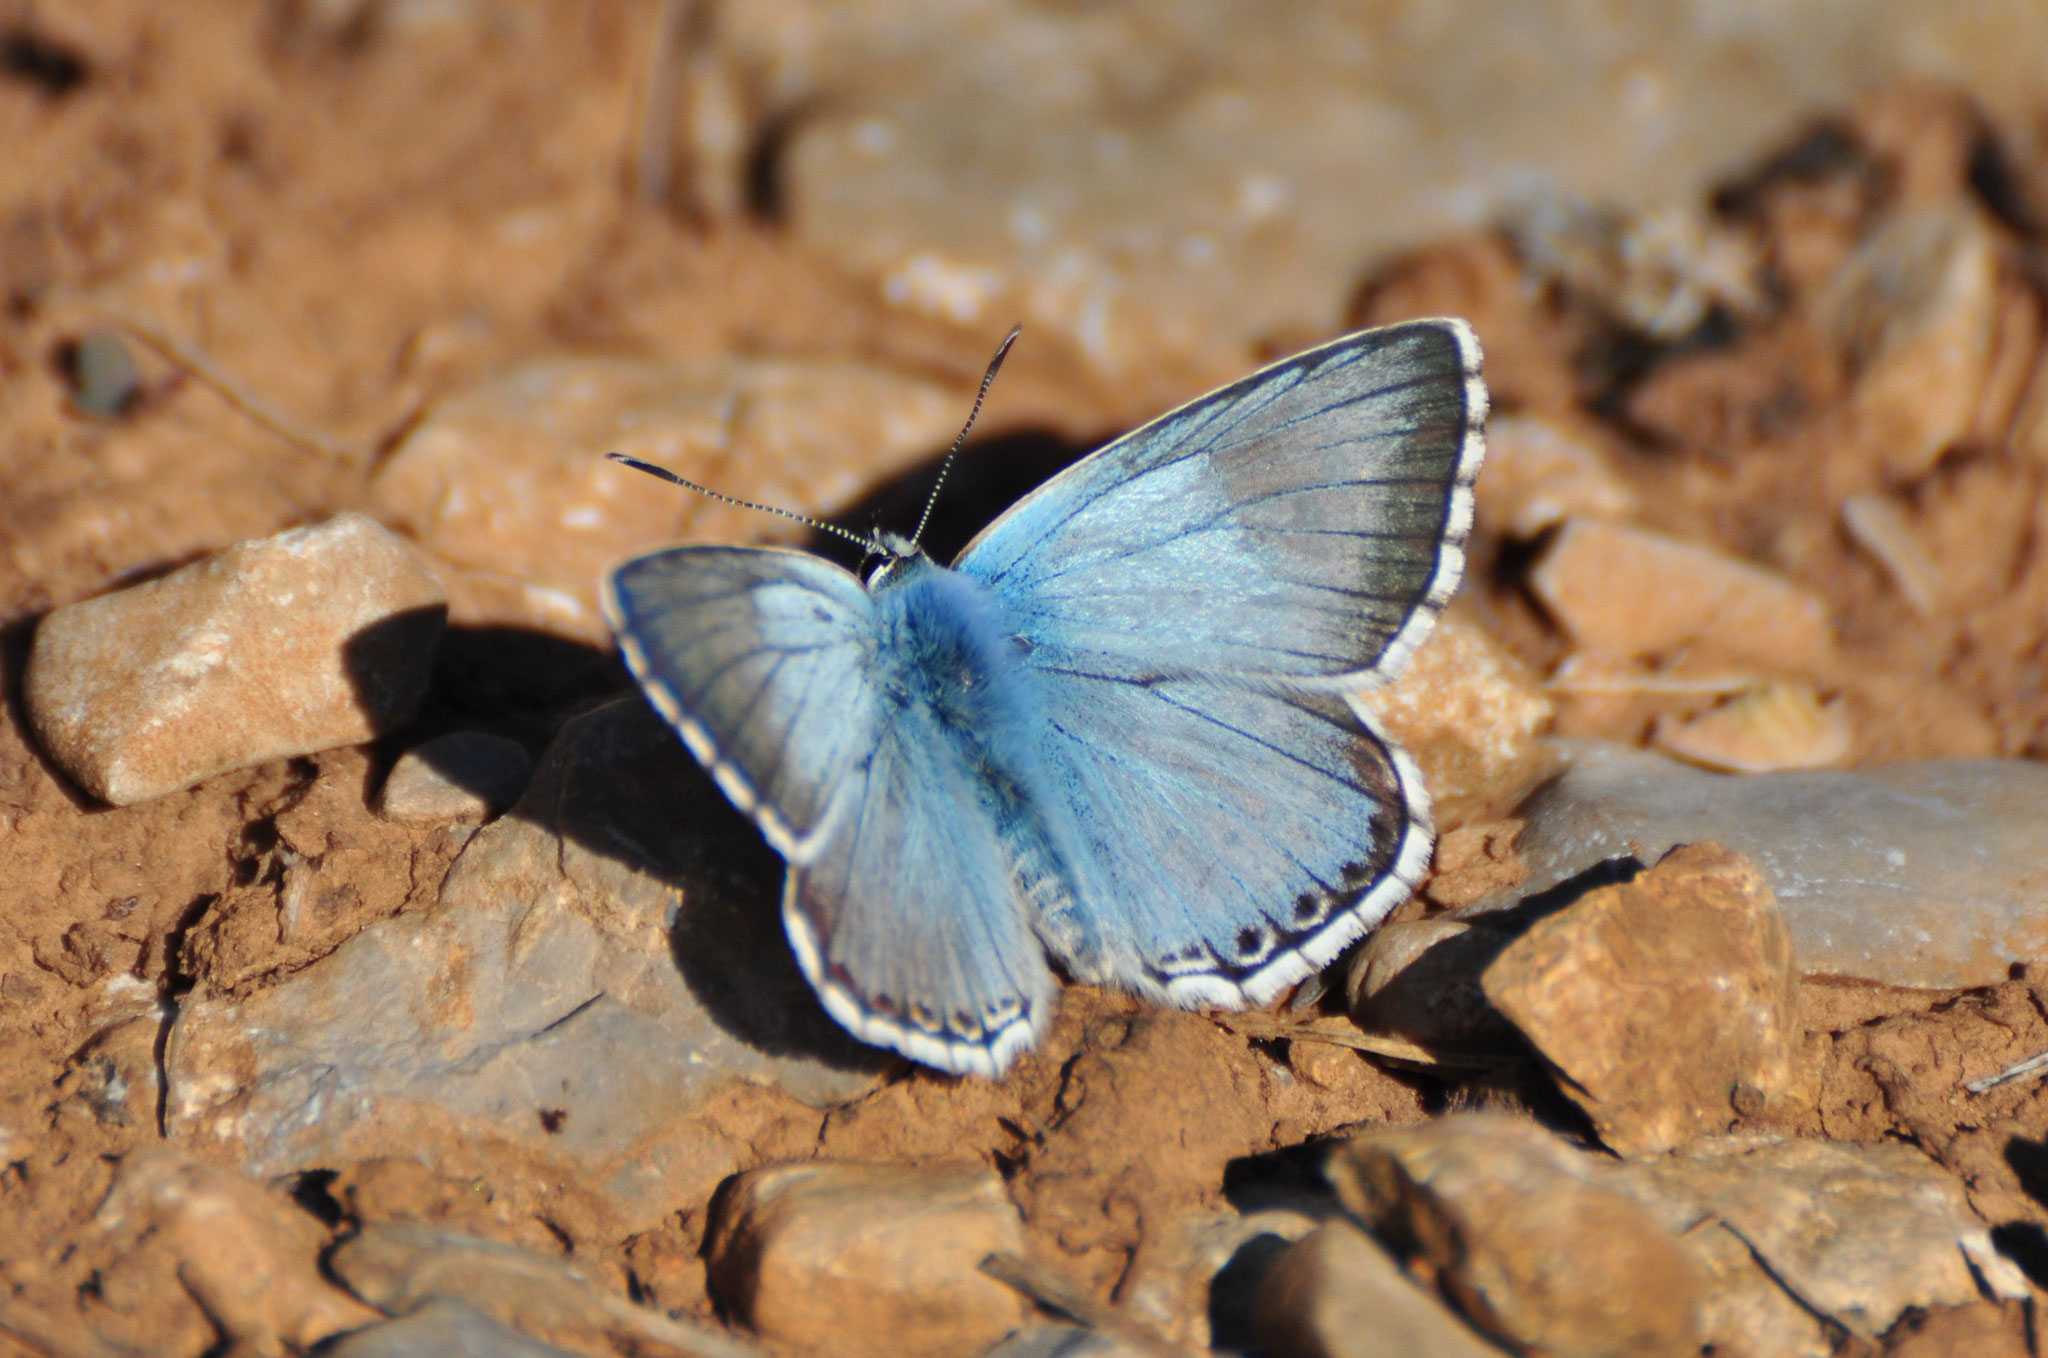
(1064, 1341)
(1159, 179)
(442, 1328)
(462, 776)
(1923, 875)
(287, 645)
(596, 969)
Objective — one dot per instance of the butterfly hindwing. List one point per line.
(900, 901)
(1201, 598)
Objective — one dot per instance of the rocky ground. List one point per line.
(379, 974)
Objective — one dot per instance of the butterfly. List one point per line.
(1122, 730)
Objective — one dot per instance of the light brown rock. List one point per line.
(1541, 471)
(1337, 1294)
(248, 1256)
(286, 645)
(508, 478)
(1915, 310)
(1513, 1227)
(1633, 592)
(1473, 718)
(462, 776)
(1666, 1004)
(1859, 1234)
(1780, 725)
(855, 1259)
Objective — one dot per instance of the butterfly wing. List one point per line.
(899, 901)
(1202, 598)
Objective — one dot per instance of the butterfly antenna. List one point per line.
(994, 365)
(665, 474)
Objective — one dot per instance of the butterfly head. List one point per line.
(901, 556)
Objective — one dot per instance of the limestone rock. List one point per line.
(1919, 875)
(1666, 1004)
(287, 645)
(859, 1260)
(1541, 471)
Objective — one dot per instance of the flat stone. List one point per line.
(508, 478)
(589, 978)
(1764, 729)
(1473, 718)
(859, 1260)
(1514, 1228)
(403, 1266)
(245, 1252)
(444, 1328)
(1338, 1294)
(282, 646)
(462, 776)
(1628, 591)
(1923, 875)
(1857, 1233)
(1668, 1004)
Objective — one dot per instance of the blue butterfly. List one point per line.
(1122, 728)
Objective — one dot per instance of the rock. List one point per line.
(247, 1255)
(1658, 273)
(1858, 1234)
(462, 776)
(1337, 1294)
(1914, 310)
(1629, 591)
(1514, 1229)
(1922, 875)
(1192, 1278)
(402, 1266)
(444, 1328)
(1472, 717)
(1875, 524)
(508, 478)
(586, 982)
(854, 1259)
(1542, 470)
(1667, 1005)
(286, 645)
(1065, 1341)
(1419, 980)
(1781, 725)
(104, 381)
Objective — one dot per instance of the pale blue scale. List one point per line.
(1124, 727)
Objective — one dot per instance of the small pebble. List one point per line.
(104, 381)
(1514, 1229)
(462, 776)
(287, 645)
(1769, 727)
(857, 1260)
(1666, 1005)
(1919, 875)
(1338, 1294)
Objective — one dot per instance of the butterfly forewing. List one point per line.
(1197, 598)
